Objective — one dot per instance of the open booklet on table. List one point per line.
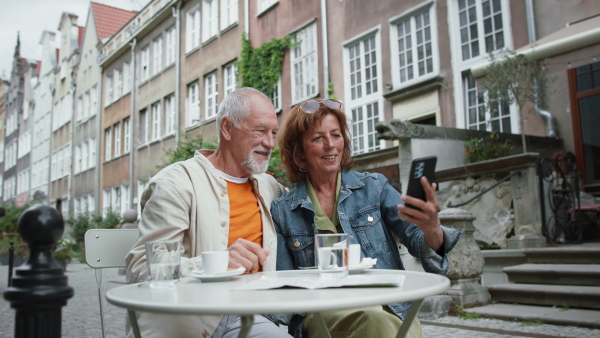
(314, 282)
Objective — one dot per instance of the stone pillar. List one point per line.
(466, 260)
(526, 204)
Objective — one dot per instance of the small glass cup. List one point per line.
(163, 260)
(331, 252)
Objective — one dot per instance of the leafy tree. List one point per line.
(9, 223)
(186, 149)
(516, 78)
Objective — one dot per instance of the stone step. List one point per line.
(564, 296)
(560, 274)
(564, 255)
(545, 314)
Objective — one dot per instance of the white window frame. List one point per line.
(460, 66)
(408, 73)
(117, 136)
(85, 153)
(126, 77)
(363, 93)
(118, 80)
(264, 5)
(106, 201)
(92, 150)
(210, 19)
(156, 121)
(144, 127)
(192, 31)
(489, 121)
(126, 135)
(107, 144)
(276, 97)
(125, 191)
(229, 78)
(170, 123)
(192, 104)
(145, 64)
(157, 52)
(229, 13)
(305, 65)
(109, 89)
(170, 36)
(478, 47)
(211, 95)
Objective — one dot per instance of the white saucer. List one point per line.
(353, 270)
(219, 277)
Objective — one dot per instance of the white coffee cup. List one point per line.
(215, 262)
(353, 255)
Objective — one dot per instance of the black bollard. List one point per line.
(11, 261)
(39, 288)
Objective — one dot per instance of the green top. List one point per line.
(324, 224)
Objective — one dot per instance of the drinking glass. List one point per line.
(332, 255)
(163, 261)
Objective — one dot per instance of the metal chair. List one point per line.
(107, 248)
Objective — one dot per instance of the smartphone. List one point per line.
(424, 166)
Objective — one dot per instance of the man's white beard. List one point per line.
(254, 166)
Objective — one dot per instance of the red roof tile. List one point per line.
(109, 19)
(80, 36)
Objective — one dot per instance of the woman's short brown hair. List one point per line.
(295, 125)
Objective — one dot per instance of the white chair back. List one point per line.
(107, 248)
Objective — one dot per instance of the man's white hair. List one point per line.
(236, 106)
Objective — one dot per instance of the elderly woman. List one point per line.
(331, 198)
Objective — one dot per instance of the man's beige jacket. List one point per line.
(188, 201)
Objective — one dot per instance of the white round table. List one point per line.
(193, 296)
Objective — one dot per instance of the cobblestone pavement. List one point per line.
(81, 316)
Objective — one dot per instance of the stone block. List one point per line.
(435, 307)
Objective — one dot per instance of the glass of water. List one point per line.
(163, 261)
(331, 252)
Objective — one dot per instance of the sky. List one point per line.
(31, 17)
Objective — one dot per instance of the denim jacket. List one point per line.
(367, 210)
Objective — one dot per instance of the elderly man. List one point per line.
(217, 200)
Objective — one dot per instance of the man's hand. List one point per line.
(243, 253)
(427, 217)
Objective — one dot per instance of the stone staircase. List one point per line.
(551, 285)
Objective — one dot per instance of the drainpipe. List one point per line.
(99, 96)
(133, 44)
(325, 49)
(176, 11)
(246, 20)
(551, 125)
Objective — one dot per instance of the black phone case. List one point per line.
(424, 166)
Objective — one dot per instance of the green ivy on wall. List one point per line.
(261, 67)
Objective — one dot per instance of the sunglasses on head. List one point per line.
(311, 106)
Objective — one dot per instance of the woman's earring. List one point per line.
(302, 170)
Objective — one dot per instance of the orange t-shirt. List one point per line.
(244, 213)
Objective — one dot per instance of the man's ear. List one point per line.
(227, 128)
